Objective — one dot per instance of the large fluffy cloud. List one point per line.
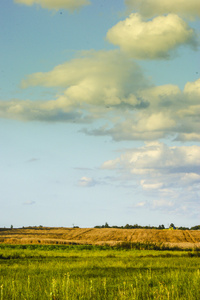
(154, 39)
(56, 4)
(169, 175)
(88, 85)
(95, 78)
(108, 86)
(170, 113)
(151, 8)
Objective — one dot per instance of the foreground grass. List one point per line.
(74, 272)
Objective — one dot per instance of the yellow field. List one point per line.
(99, 236)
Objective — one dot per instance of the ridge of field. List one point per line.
(100, 236)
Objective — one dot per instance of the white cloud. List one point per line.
(94, 78)
(111, 164)
(168, 176)
(92, 83)
(154, 39)
(151, 185)
(56, 4)
(29, 203)
(156, 158)
(107, 86)
(193, 88)
(150, 8)
(162, 203)
(86, 182)
(190, 178)
(170, 113)
(140, 204)
(45, 111)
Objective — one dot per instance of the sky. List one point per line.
(99, 112)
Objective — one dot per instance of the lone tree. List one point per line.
(172, 226)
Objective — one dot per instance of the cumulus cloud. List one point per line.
(170, 113)
(150, 8)
(56, 4)
(156, 158)
(44, 111)
(108, 86)
(168, 175)
(154, 39)
(91, 84)
(95, 78)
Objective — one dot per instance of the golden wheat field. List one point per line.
(100, 236)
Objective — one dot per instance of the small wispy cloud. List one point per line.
(140, 204)
(29, 203)
(31, 160)
(86, 182)
(83, 169)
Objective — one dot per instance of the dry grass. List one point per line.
(46, 235)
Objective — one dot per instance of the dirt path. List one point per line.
(191, 236)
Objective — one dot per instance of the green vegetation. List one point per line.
(136, 226)
(197, 227)
(128, 226)
(78, 247)
(97, 272)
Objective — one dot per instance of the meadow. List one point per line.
(97, 272)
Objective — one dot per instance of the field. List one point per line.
(34, 266)
(44, 235)
(97, 272)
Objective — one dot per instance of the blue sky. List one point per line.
(99, 112)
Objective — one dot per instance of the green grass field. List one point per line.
(91, 272)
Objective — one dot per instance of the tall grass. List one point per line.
(72, 273)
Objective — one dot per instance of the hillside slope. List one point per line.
(46, 235)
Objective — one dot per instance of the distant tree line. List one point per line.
(128, 226)
(106, 225)
(197, 227)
